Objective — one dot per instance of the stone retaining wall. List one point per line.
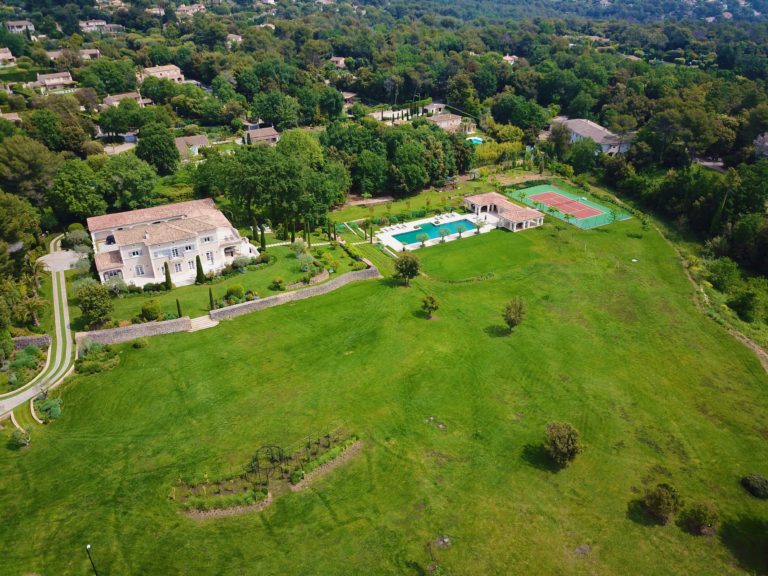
(39, 340)
(126, 333)
(278, 299)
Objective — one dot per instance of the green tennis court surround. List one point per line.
(567, 206)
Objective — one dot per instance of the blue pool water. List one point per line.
(475, 140)
(433, 231)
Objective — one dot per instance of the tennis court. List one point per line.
(576, 210)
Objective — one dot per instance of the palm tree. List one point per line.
(422, 238)
(35, 270)
(28, 307)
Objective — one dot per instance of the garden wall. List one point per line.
(278, 299)
(40, 340)
(126, 333)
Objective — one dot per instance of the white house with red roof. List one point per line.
(510, 216)
(136, 245)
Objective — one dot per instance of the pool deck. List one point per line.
(387, 234)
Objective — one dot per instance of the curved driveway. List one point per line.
(61, 351)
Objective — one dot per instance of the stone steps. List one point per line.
(201, 323)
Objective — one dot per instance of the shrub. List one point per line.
(117, 286)
(95, 302)
(701, 518)
(13, 380)
(140, 343)
(662, 502)
(562, 442)
(133, 289)
(75, 238)
(151, 310)
(430, 305)
(263, 258)
(756, 484)
(330, 262)
(83, 268)
(95, 358)
(297, 476)
(514, 312)
(75, 226)
(299, 247)
(19, 439)
(278, 284)
(50, 409)
(199, 274)
(359, 265)
(23, 361)
(240, 263)
(724, 274)
(235, 291)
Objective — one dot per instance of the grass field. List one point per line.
(194, 299)
(659, 392)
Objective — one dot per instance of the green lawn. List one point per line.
(659, 392)
(194, 299)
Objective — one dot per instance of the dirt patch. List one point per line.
(309, 478)
(436, 423)
(226, 512)
(442, 542)
(507, 179)
(582, 550)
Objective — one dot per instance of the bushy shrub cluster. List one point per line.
(50, 409)
(756, 484)
(95, 358)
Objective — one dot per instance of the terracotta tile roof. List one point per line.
(173, 231)
(184, 143)
(507, 209)
(193, 208)
(263, 134)
(108, 260)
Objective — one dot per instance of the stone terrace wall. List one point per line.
(126, 333)
(41, 341)
(278, 299)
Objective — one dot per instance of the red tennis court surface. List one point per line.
(566, 205)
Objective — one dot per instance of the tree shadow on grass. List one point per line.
(497, 331)
(391, 282)
(538, 457)
(637, 512)
(747, 539)
(421, 314)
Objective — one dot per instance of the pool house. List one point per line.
(508, 215)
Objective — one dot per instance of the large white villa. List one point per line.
(136, 245)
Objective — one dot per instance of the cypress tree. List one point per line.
(199, 274)
(178, 307)
(168, 283)
(210, 299)
(263, 239)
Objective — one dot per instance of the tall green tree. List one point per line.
(74, 195)
(27, 168)
(156, 147)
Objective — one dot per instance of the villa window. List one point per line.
(191, 264)
(134, 253)
(177, 267)
(175, 252)
(112, 274)
(207, 239)
(209, 257)
(188, 248)
(139, 270)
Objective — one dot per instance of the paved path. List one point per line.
(61, 352)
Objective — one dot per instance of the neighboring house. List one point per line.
(11, 117)
(156, 11)
(349, 97)
(338, 61)
(89, 26)
(262, 136)
(136, 245)
(189, 146)
(114, 29)
(233, 40)
(19, 26)
(115, 99)
(84, 54)
(6, 57)
(168, 72)
(452, 123)
(56, 82)
(761, 144)
(434, 108)
(581, 129)
(511, 216)
(511, 59)
(184, 11)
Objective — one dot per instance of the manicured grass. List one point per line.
(194, 299)
(658, 391)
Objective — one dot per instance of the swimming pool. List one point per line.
(433, 231)
(475, 140)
